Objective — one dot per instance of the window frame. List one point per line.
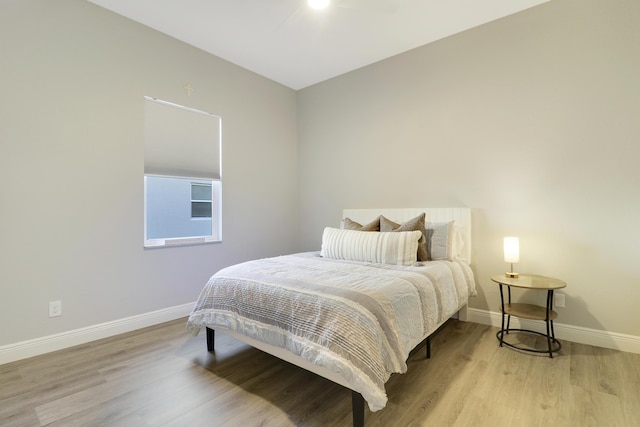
(215, 181)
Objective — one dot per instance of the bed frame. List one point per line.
(462, 217)
(357, 401)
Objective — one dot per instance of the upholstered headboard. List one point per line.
(461, 216)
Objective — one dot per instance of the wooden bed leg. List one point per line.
(428, 345)
(211, 339)
(357, 407)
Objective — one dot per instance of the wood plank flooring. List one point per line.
(162, 376)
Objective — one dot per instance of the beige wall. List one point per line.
(72, 81)
(532, 121)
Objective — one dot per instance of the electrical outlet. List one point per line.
(55, 308)
(558, 300)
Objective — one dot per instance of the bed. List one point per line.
(353, 311)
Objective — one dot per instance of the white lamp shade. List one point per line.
(511, 249)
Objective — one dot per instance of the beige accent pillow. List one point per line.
(349, 224)
(384, 248)
(416, 224)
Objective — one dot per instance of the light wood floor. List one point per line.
(162, 376)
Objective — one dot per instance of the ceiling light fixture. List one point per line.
(318, 4)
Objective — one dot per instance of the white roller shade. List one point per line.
(180, 141)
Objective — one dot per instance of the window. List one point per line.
(182, 179)
(200, 200)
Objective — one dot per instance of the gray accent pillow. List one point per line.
(414, 224)
(440, 241)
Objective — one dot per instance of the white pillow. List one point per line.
(440, 240)
(398, 248)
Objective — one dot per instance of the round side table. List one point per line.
(529, 311)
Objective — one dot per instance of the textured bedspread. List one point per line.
(357, 319)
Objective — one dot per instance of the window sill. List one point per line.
(181, 241)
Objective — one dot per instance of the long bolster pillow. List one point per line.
(398, 248)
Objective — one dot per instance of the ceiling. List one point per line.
(287, 41)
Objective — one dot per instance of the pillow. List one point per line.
(349, 224)
(458, 243)
(440, 240)
(385, 248)
(417, 224)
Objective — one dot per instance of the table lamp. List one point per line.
(511, 254)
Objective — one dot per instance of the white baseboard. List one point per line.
(37, 346)
(571, 333)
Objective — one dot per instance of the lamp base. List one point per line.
(512, 274)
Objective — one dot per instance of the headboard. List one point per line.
(462, 217)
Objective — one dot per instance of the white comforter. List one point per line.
(357, 319)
